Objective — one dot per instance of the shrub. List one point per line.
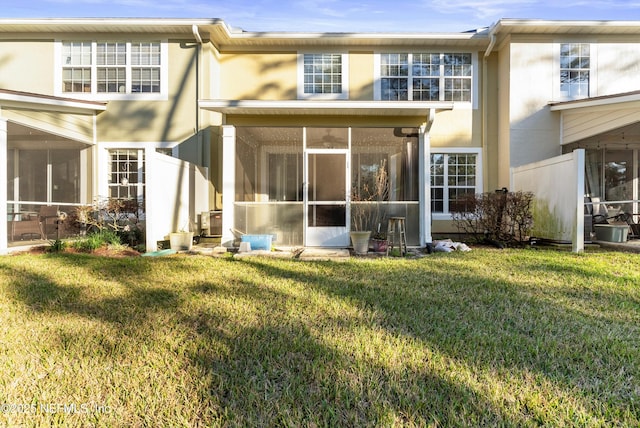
(499, 217)
(97, 239)
(120, 216)
(57, 246)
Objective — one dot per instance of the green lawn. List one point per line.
(489, 337)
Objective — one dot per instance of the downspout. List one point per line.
(198, 37)
(485, 104)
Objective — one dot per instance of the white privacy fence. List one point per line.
(177, 193)
(558, 188)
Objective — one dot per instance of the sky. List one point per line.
(449, 16)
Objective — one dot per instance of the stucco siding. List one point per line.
(455, 129)
(258, 76)
(172, 120)
(534, 130)
(361, 76)
(27, 65)
(618, 67)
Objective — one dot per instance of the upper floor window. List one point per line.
(575, 66)
(323, 75)
(426, 76)
(113, 67)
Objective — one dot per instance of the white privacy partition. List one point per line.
(177, 192)
(558, 188)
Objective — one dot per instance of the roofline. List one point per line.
(510, 22)
(187, 22)
(225, 36)
(604, 100)
(325, 107)
(13, 98)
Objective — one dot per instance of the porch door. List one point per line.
(326, 198)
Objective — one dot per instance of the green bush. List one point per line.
(57, 246)
(97, 239)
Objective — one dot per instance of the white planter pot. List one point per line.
(360, 242)
(181, 241)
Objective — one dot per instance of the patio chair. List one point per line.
(25, 225)
(48, 217)
(600, 215)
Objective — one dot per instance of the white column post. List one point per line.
(424, 153)
(153, 198)
(228, 183)
(578, 233)
(3, 187)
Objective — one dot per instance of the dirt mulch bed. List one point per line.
(106, 251)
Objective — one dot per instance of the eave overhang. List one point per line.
(28, 100)
(324, 107)
(602, 101)
(228, 39)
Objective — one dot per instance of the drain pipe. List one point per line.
(485, 103)
(198, 37)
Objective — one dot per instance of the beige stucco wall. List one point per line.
(534, 129)
(361, 76)
(27, 65)
(617, 67)
(172, 120)
(258, 76)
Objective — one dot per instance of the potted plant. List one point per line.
(379, 242)
(368, 210)
(182, 240)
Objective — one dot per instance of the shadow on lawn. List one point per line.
(119, 305)
(270, 370)
(281, 372)
(500, 326)
(274, 369)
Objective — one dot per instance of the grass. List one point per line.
(489, 337)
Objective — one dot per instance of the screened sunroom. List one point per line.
(301, 184)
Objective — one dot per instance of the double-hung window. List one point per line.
(111, 59)
(127, 175)
(575, 70)
(323, 75)
(76, 67)
(426, 76)
(112, 68)
(453, 175)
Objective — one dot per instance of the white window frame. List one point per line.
(344, 95)
(446, 215)
(568, 94)
(94, 95)
(377, 62)
(140, 171)
(559, 95)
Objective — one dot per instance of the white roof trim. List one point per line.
(43, 102)
(605, 100)
(311, 107)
